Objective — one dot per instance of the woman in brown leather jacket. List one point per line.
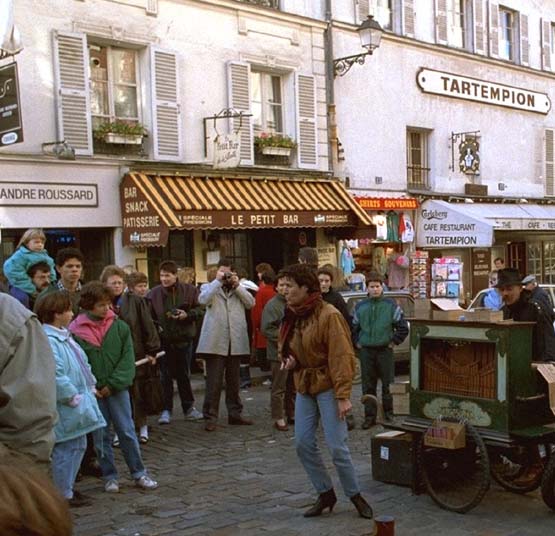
(315, 342)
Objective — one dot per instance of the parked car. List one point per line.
(404, 299)
(478, 300)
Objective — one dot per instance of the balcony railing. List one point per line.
(265, 3)
(418, 178)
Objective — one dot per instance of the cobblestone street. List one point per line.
(246, 480)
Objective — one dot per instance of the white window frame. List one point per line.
(514, 38)
(111, 84)
(265, 102)
(424, 166)
(459, 9)
(383, 12)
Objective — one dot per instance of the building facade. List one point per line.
(455, 105)
(140, 90)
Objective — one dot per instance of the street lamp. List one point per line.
(370, 33)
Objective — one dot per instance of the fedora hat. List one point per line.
(507, 277)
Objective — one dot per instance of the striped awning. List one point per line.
(177, 202)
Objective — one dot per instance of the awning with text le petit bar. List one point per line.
(151, 205)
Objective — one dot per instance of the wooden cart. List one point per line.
(480, 374)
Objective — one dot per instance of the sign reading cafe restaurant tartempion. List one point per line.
(473, 89)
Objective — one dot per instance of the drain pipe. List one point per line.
(330, 94)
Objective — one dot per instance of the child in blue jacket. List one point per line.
(378, 325)
(29, 252)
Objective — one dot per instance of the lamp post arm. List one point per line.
(341, 66)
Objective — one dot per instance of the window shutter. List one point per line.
(239, 98)
(479, 27)
(363, 9)
(441, 21)
(307, 128)
(549, 162)
(494, 30)
(408, 17)
(72, 91)
(166, 111)
(546, 45)
(524, 44)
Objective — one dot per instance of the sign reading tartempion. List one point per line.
(473, 89)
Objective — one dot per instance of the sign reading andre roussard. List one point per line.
(11, 127)
(473, 89)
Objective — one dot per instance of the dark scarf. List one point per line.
(292, 314)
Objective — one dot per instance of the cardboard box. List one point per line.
(392, 457)
(448, 315)
(399, 388)
(401, 404)
(445, 435)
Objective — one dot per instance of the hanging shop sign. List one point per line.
(473, 89)
(443, 225)
(387, 203)
(11, 125)
(47, 194)
(227, 151)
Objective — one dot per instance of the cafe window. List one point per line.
(235, 246)
(534, 258)
(114, 88)
(417, 159)
(507, 33)
(267, 103)
(549, 262)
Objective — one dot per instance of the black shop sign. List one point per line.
(11, 126)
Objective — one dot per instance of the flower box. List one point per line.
(276, 151)
(124, 139)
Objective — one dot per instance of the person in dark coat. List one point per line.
(134, 311)
(325, 277)
(538, 294)
(520, 305)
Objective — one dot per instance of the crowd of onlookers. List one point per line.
(106, 354)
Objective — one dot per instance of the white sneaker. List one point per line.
(267, 383)
(115, 441)
(194, 415)
(143, 434)
(165, 417)
(111, 486)
(145, 482)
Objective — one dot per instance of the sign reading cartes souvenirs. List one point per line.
(387, 203)
(48, 194)
(141, 224)
(11, 126)
(473, 89)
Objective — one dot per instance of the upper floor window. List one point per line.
(265, 3)
(507, 34)
(114, 91)
(266, 102)
(382, 11)
(417, 159)
(456, 20)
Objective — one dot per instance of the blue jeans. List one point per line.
(116, 409)
(308, 410)
(66, 459)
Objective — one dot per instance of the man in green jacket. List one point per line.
(378, 326)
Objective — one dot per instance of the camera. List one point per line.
(227, 276)
(175, 312)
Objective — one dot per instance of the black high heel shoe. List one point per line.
(325, 500)
(363, 508)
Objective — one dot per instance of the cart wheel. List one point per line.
(456, 480)
(548, 483)
(509, 464)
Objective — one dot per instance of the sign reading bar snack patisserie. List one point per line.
(473, 89)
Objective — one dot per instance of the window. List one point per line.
(507, 34)
(266, 102)
(417, 159)
(382, 12)
(114, 91)
(456, 22)
(534, 258)
(235, 246)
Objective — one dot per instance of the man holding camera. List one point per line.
(176, 309)
(223, 341)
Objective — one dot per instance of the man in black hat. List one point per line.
(519, 305)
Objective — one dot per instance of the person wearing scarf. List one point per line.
(315, 343)
(108, 344)
(75, 395)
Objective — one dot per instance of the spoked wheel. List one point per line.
(519, 469)
(458, 479)
(548, 483)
